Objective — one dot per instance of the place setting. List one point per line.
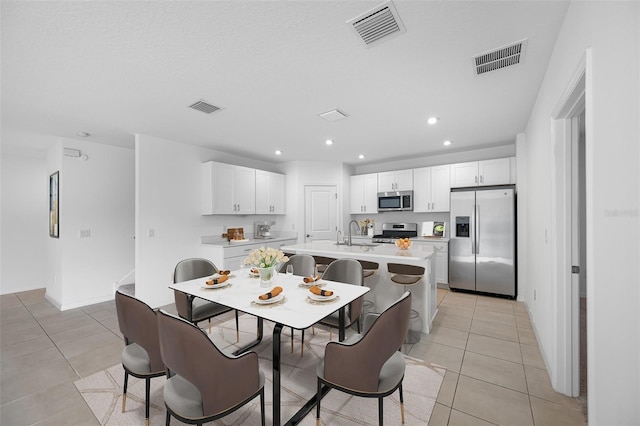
(218, 280)
(275, 296)
(317, 295)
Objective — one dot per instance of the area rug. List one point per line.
(103, 390)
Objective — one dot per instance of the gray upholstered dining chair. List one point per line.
(347, 271)
(141, 354)
(191, 308)
(303, 265)
(369, 365)
(204, 384)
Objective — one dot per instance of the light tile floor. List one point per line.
(495, 373)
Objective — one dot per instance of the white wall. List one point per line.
(168, 202)
(610, 29)
(24, 223)
(96, 195)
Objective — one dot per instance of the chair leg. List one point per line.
(147, 393)
(262, 407)
(291, 339)
(209, 321)
(401, 403)
(124, 390)
(318, 398)
(380, 412)
(237, 327)
(168, 420)
(302, 344)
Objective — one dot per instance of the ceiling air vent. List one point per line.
(204, 107)
(502, 57)
(378, 24)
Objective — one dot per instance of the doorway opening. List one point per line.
(570, 185)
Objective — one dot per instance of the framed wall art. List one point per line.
(54, 207)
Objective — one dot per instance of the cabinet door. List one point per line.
(404, 180)
(494, 172)
(277, 191)
(357, 193)
(440, 188)
(223, 176)
(386, 181)
(370, 193)
(263, 202)
(442, 267)
(245, 190)
(464, 174)
(422, 189)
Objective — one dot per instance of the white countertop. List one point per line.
(416, 252)
(431, 239)
(222, 242)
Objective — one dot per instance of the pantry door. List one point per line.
(320, 212)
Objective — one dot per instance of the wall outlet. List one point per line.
(534, 294)
(151, 233)
(85, 233)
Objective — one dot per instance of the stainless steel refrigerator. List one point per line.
(482, 246)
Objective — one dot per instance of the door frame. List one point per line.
(575, 99)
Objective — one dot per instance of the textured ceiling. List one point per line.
(114, 69)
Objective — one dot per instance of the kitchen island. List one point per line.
(383, 290)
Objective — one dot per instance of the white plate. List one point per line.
(318, 298)
(269, 301)
(211, 287)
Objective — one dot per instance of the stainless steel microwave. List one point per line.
(394, 201)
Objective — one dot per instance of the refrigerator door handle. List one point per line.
(477, 223)
(472, 231)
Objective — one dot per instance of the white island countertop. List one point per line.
(417, 252)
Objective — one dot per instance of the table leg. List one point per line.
(255, 342)
(277, 332)
(310, 404)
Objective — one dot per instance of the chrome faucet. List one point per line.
(352, 221)
(338, 233)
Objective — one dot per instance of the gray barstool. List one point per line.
(407, 275)
(369, 269)
(322, 262)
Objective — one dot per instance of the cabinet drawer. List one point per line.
(242, 250)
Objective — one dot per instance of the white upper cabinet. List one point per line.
(269, 192)
(480, 173)
(399, 180)
(228, 189)
(364, 193)
(431, 189)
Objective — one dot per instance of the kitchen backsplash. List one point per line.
(402, 217)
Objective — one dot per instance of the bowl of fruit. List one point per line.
(403, 243)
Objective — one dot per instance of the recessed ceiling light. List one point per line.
(361, 156)
(432, 120)
(278, 152)
(329, 142)
(446, 143)
(83, 134)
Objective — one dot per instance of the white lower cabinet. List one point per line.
(441, 248)
(232, 257)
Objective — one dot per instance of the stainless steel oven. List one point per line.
(395, 201)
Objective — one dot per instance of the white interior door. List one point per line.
(320, 212)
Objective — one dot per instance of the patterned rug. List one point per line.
(103, 390)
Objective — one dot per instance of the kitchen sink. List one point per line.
(357, 244)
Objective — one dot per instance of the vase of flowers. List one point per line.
(266, 260)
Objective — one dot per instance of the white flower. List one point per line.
(265, 257)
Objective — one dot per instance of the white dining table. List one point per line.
(295, 309)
